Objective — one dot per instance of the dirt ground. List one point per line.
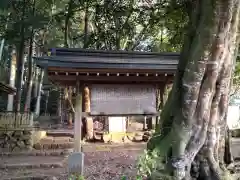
(101, 163)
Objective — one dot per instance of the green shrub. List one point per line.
(148, 162)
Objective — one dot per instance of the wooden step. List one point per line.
(60, 133)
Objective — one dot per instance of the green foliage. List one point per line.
(148, 162)
(151, 164)
(118, 24)
(76, 177)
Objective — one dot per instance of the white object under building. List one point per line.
(233, 117)
(117, 124)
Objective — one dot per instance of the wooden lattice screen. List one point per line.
(123, 99)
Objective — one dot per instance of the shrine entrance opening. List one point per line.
(113, 85)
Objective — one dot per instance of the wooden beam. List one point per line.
(89, 114)
(110, 78)
(59, 69)
(73, 83)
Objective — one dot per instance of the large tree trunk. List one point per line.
(196, 108)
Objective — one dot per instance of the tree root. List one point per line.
(198, 163)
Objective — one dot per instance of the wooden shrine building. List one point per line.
(121, 83)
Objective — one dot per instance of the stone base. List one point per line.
(16, 140)
(54, 143)
(126, 137)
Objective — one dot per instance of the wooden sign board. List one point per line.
(123, 99)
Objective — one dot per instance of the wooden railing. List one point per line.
(16, 119)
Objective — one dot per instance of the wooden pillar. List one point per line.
(157, 104)
(87, 108)
(162, 99)
(70, 113)
(46, 103)
(145, 123)
(59, 105)
(78, 120)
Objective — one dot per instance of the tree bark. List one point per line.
(86, 16)
(31, 75)
(67, 19)
(12, 78)
(30, 66)
(196, 108)
(35, 83)
(37, 109)
(20, 60)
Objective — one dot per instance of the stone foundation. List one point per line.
(16, 140)
(54, 143)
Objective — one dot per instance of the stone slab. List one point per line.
(47, 140)
(32, 174)
(20, 162)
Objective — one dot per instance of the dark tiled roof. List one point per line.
(79, 58)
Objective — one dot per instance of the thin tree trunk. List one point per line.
(30, 66)
(67, 18)
(20, 60)
(35, 83)
(86, 26)
(12, 76)
(31, 75)
(37, 109)
(1, 49)
(199, 99)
